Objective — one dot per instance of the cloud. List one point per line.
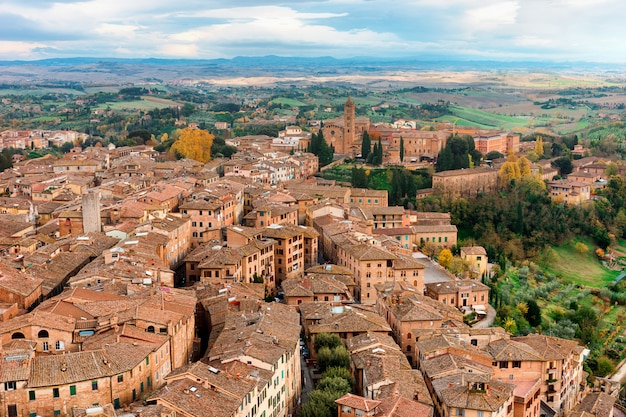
(125, 31)
(180, 50)
(213, 28)
(272, 13)
(18, 49)
(492, 16)
(532, 41)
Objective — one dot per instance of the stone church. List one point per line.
(345, 133)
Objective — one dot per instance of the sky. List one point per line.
(508, 30)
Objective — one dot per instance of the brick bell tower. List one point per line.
(348, 125)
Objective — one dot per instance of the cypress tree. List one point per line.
(378, 157)
(366, 145)
(373, 154)
(401, 149)
(325, 151)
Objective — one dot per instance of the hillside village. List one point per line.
(132, 286)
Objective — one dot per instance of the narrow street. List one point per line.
(487, 321)
(307, 382)
(620, 372)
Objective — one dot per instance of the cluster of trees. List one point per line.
(6, 159)
(460, 152)
(334, 362)
(517, 223)
(402, 184)
(372, 156)
(319, 147)
(132, 93)
(515, 169)
(269, 129)
(220, 149)
(518, 292)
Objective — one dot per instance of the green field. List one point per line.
(582, 269)
(103, 89)
(462, 122)
(5, 92)
(45, 118)
(136, 105)
(488, 119)
(288, 102)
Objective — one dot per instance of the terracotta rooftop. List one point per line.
(511, 350)
(474, 250)
(195, 399)
(551, 348)
(368, 252)
(368, 341)
(256, 334)
(496, 394)
(357, 402)
(352, 320)
(10, 228)
(73, 367)
(399, 406)
(597, 404)
(452, 287)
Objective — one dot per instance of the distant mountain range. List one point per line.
(324, 61)
(105, 71)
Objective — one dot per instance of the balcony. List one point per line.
(551, 381)
(86, 324)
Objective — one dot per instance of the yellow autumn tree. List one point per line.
(539, 146)
(509, 171)
(510, 325)
(514, 169)
(524, 166)
(194, 144)
(445, 258)
(511, 157)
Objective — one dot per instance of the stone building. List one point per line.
(344, 134)
(466, 182)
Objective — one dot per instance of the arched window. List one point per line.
(415, 283)
(150, 329)
(408, 348)
(43, 334)
(408, 336)
(18, 335)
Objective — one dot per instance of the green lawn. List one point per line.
(581, 269)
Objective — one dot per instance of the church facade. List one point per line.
(345, 133)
